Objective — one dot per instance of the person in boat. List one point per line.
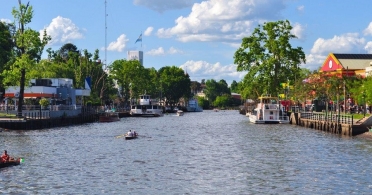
(5, 157)
(130, 134)
(134, 133)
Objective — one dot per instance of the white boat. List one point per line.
(193, 106)
(180, 113)
(268, 111)
(145, 108)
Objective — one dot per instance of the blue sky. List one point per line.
(199, 36)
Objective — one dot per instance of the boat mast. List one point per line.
(105, 62)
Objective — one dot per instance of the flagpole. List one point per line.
(141, 40)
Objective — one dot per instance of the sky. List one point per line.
(199, 36)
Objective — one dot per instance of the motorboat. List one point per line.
(268, 111)
(193, 106)
(180, 113)
(146, 108)
(109, 116)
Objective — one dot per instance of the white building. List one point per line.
(135, 55)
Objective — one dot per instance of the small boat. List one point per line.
(109, 116)
(215, 110)
(145, 108)
(268, 111)
(131, 137)
(12, 162)
(180, 113)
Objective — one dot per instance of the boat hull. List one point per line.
(130, 137)
(108, 117)
(105, 119)
(10, 163)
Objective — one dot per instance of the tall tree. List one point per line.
(174, 83)
(28, 48)
(268, 56)
(6, 46)
(234, 87)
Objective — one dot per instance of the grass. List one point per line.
(5, 115)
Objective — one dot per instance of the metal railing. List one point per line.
(330, 117)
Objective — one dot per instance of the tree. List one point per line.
(215, 89)
(268, 56)
(234, 87)
(6, 45)
(132, 78)
(28, 49)
(223, 101)
(174, 84)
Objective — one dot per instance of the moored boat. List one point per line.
(268, 111)
(193, 106)
(180, 113)
(109, 116)
(146, 108)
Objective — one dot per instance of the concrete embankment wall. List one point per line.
(328, 126)
(32, 124)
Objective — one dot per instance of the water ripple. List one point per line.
(198, 153)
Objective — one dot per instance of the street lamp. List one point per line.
(364, 103)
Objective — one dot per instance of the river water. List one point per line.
(198, 153)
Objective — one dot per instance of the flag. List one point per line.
(139, 38)
(87, 83)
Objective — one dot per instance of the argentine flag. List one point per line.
(139, 38)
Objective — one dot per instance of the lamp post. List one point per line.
(364, 104)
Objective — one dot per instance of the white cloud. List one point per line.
(298, 30)
(160, 51)
(62, 30)
(213, 19)
(368, 47)
(148, 31)
(119, 44)
(156, 52)
(368, 30)
(164, 5)
(199, 70)
(173, 50)
(345, 43)
(301, 8)
(5, 20)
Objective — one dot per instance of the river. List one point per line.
(198, 153)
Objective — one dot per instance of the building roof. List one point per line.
(354, 61)
(339, 61)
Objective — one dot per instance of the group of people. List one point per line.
(132, 134)
(4, 157)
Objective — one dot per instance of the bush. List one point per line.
(44, 102)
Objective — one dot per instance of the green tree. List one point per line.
(174, 83)
(234, 87)
(215, 89)
(202, 102)
(268, 56)
(6, 45)
(223, 101)
(28, 49)
(132, 78)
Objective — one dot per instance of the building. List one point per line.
(59, 91)
(135, 55)
(348, 64)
